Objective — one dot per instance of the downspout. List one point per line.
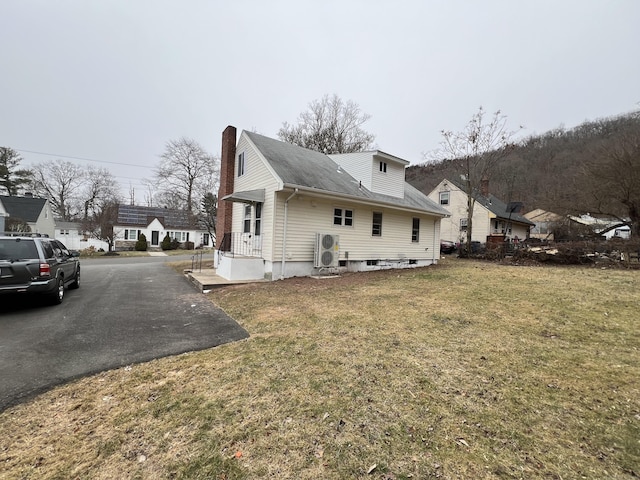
(284, 233)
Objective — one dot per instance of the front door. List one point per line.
(155, 238)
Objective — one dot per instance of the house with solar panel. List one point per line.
(287, 211)
(155, 223)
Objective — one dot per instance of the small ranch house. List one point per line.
(155, 223)
(288, 211)
(491, 216)
(34, 212)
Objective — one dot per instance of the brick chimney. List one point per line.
(225, 208)
(484, 187)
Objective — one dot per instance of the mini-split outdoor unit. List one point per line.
(327, 250)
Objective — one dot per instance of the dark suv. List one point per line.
(35, 264)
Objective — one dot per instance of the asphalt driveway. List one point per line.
(126, 311)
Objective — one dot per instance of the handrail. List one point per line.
(238, 244)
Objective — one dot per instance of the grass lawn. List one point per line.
(463, 370)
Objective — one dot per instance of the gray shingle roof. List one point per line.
(26, 208)
(497, 206)
(300, 167)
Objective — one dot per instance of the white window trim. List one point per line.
(242, 164)
(343, 217)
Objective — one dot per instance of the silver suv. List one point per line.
(35, 264)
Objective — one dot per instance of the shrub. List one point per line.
(166, 243)
(141, 244)
(188, 245)
(88, 252)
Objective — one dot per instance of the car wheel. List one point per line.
(76, 282)
(58, 295)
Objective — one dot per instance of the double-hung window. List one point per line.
(179, 236)
(241, 164)
(415, 230)
(376, 226)
(246, 224)
(444, 198)
(343, 217)
(258, 220)
(131, 234)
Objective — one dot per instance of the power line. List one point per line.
(82, 158)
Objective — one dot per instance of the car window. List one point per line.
(17, 249)
(48, 249)
(62, 248)
(56, 249)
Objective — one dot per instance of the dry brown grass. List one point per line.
(464, 370)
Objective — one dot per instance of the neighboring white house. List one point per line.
(606, 227)
(288, 211)
(71, 234)
(491, 216)
(155, 223)
(35, 212)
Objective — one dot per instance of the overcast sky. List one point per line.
(114, 80)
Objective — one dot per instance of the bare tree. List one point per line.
(610, 181)
(100, 189)
(330, 125)
(15, 224)
(61, 182)
(100, 223)
(476, 150)
(186, 172)
(101, 198)
(11, 177)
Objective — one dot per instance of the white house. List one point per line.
(288, 211)
(72, 235)
(155, 223)
(35, 212)
(491, 216)
(606, 227)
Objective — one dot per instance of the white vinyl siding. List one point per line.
(366, 167)
(450, 228)
(257, 176)
(390, 182)
(308, 216)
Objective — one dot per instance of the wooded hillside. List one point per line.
(594, 168)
